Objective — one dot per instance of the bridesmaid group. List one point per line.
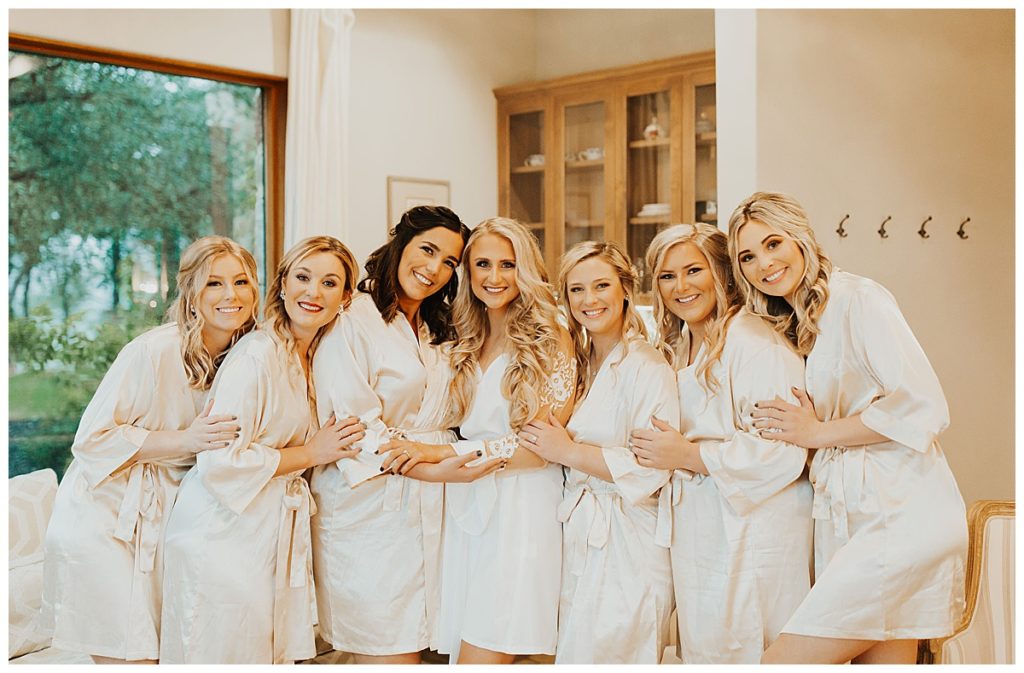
(453, 453)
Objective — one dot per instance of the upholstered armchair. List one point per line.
(985, 633)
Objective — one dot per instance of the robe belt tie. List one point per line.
(668, 499)
(583, 501)
(837, 475)
(139, 517)
(294, 553)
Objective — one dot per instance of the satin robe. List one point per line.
(238, 585)
(741, 536)
(377, 538)
(502, 538)
(103, 546)
(890, 535)
(616, 597)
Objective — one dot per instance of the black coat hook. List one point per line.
(881, 230)
(921, 231)
(960, 232)
(842, 232)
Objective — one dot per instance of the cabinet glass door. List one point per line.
(584, 173)
(706, 168)
(527, 162)
(648, 175)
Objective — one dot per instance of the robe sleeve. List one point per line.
(235, 474)
(654, 393)
(747, 468)
(109, 433)
(911, 408)
(343, 375)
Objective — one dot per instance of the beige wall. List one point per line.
(909, 114)
(422, 106)
(242, 39)
(571, 41)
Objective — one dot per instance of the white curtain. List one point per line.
(316, 150)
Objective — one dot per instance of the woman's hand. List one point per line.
(454, 469)
(401, 455)
(331, 441)
(663, 448)
(778, 419)
(210, 432)
(549, 440)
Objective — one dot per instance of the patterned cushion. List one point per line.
(988, 638)
(30, 503)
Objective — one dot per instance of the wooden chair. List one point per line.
(985, 633)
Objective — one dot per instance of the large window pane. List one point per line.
(113, 172)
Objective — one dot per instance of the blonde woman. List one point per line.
(741, 509)
(616, 579)
(890, 530)
(377, 532)
(138, 437)
(239, 585)
(511, 363)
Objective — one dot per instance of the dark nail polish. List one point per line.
(479, 453)
(381, 468)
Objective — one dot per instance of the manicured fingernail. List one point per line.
(756, 405)
(381, 468)
(479, 453)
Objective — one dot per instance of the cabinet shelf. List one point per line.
(584, 164)
(651, 219)
(657, 142)
(707, 139)
(528, 169)
(534, 226)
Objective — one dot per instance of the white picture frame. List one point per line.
(406, 193)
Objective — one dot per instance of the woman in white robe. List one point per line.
(890, 524)
(741, 508)
(137, 438)
(238, 585)
(377, 535)
(502, 538)
(616, 597)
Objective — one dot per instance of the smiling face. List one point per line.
(492, 271)
(596, 296)
(314, 291)
(227, 300)
(428, 262)
(686, 284)
(770, 261)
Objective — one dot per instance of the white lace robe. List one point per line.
(502, 538)
(616, 597)
(238, 586)
(890, 536)
(377, 538)
(741, 536)
(103, 567)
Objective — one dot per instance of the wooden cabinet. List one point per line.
(611, 155)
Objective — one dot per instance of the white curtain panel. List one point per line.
(316, 151)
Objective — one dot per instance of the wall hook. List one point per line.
(960, 232)
(924, 234)
(881, 230)
(841, 231)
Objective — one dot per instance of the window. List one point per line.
(116, 164)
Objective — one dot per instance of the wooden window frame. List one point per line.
(275, 106)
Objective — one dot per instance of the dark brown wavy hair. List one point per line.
(381, 280)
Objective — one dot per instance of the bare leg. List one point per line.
(790, 648)
(890, 652)
(107, 661)
(410, 658)
(471, 654)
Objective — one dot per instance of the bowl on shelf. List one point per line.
(654, 209)
(534, 160)
(591, 154)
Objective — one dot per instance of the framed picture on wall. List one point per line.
(405, 193)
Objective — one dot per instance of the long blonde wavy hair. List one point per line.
(714, 245)
(193, 273)
(632, 323)
(798, 323)
(277, 320)
(532, 332)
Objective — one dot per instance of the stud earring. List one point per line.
(282, 294)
